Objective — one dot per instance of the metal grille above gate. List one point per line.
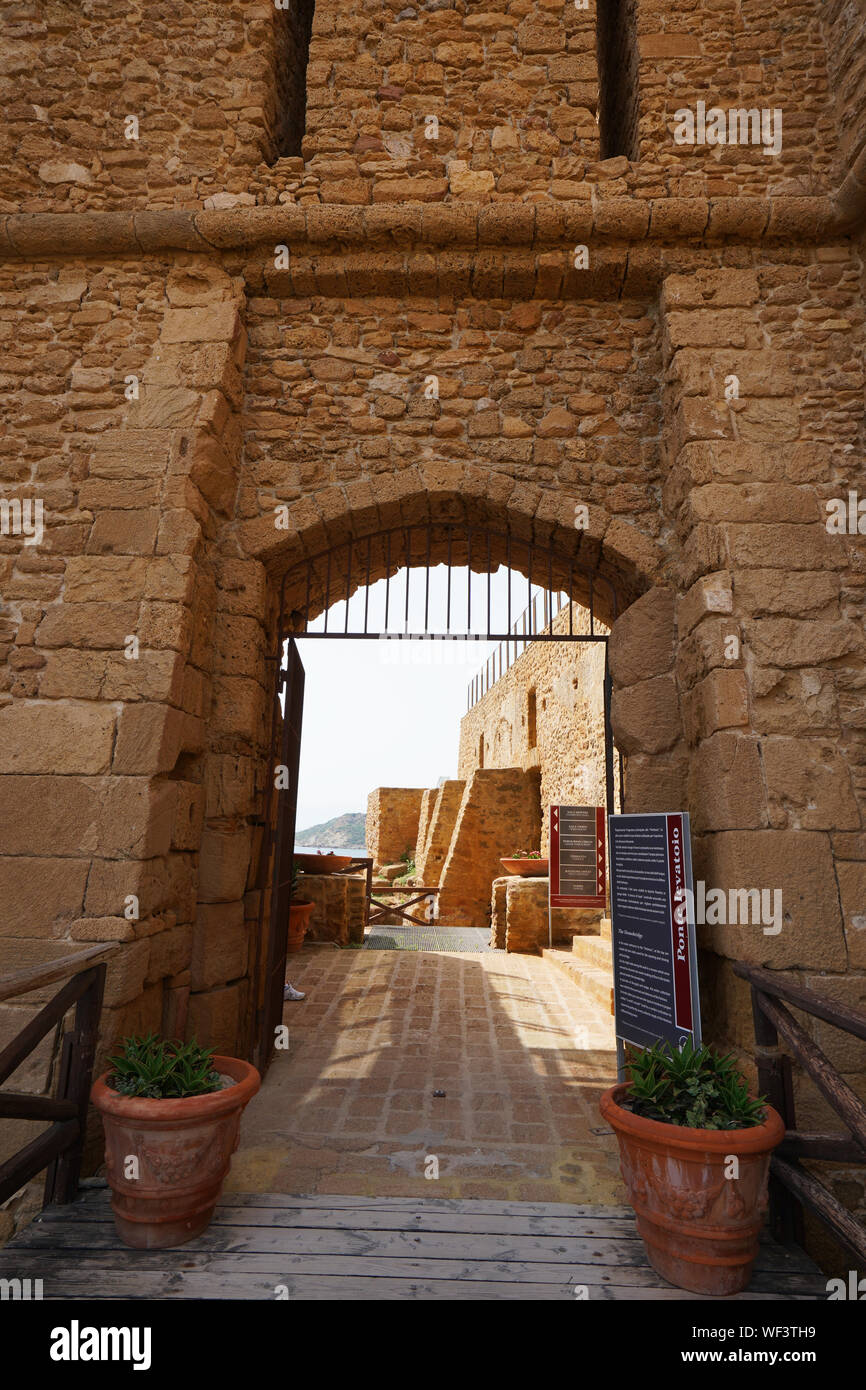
(346, 575)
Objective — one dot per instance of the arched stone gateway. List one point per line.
(253, 362)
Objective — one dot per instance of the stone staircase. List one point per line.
(589, 965)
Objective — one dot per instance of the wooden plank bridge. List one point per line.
(372, 1248)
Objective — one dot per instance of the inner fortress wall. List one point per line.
(546, 712)
(171, 379)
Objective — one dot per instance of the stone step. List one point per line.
(596, 984)
(595, 951)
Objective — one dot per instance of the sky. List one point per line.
(386, 713)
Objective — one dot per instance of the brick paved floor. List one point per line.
(349, 1108)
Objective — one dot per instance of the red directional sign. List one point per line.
(578, 876)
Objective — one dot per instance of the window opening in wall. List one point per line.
(481, 751)
(531, 719)
(294, 28)
(618, 88)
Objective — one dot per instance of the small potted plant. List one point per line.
(300, 910)
(171, 1112)
(695, 1152)
(527, 863)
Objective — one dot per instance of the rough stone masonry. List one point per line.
(235, 242)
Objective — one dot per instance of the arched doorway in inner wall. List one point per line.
(438, 583)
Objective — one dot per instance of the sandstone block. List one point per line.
(104, 578)
(526, 914)
(845, 1052)
(795, 594)
(809, 785)
(646, 716)
(720, 701)
(329, 893)
(767, 545)
(161, 885)
(50, 737)
(224, 864)
(470, 183)
(797, 863)
(50, 815)
(229, 786)
(789, 642)
(102, 929)
(557, 424)
(138, 815)
(711, 593)
(127, 970)
(189, 816)
(169, 952)
(40, 896)
(93, 625)
(215, 1016)
(148, 739)
(163, 407)
(726, 784)
(642, 639)
(657, 782)
(219, 947)
(201, 325)
(852, 890)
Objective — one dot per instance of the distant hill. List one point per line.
(343, 832)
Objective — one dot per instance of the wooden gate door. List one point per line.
(286, 794)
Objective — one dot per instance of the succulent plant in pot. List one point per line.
(695, 1150)
(171, 1112)
(300, 911)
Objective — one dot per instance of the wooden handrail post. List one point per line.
(59, 1149)
(76, 1077)
(775, 1082)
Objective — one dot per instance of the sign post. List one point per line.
(655, 971)
(578, 865)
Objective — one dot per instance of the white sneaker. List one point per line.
(291, 993)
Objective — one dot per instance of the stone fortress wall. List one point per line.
(546, 712)
(392, 822)
(498, 803)
(171, 377)
(218, 91)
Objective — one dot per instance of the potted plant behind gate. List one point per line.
(171, 1113)
(299, 913)
(695, 1151)
(526, 863)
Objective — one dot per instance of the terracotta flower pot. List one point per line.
(526, 868)
(184, 1150)
(323, 863)
(299, 921)
(700, 1228)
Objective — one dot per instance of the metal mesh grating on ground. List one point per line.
(426, 937)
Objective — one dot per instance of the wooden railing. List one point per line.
(791, 1186)
(58, 1148)
(361, 862)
